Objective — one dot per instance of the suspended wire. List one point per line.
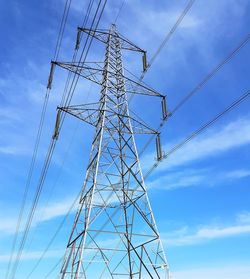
(76, 77)
(119, 11)
(173, 29)
(86, 18)
(72, 88)
(48, 160)
(52, 189)
(53, 268)
(71, 207)
(73, 85)
(201, 129)
(237, 102)
(199, 86)
(28, 180)
(37, 141)
(170, 152)
(212, 73)
(74, 56)
(193, 135)
(175, 148)
(166, 40)
(34, 205)
(62, 28)
(54, 236)
(83, 25)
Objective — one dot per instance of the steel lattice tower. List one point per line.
(114, 233)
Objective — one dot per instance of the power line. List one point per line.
(73, 85)
(62, 28)
(199, 86)
(170, 152)
(199, 131)
(205, 126)
(119, 11)
(51, 241)
(37, 142)
(34, 205)
(171, 32)
(75, 77)
(154, 57)
(86, 18)
(47, 163)
(73, 58)
(113, 60)
(193, 135)
(166, 40)
(53, 268)
(54, 236)
(149, 64)
(212, 73)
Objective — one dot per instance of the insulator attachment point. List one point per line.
(159, 154)
(56, 131)
(144, 61)
(164, 108)
(78, 38)
(51, 75)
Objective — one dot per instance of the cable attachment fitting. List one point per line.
(52, 67)
(144, 61)
(78, 38)
(56, 131)
(164, 108)
(159, 154)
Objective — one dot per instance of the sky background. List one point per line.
(200, 195)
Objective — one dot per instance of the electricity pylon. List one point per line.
(114, 234)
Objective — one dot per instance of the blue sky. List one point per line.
(200, 195)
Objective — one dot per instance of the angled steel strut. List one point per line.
(114, 234)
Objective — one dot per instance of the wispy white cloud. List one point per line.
(230, 271)
(178, 179)
(244, 218)
(13, 150)
(44, 213)
(196, 177)
(204, 233)
(7, 225)
(32, 255)
(214, 143)
(201, 29)
(238, 173)
(55, 209)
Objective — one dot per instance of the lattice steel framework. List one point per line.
(114, 233)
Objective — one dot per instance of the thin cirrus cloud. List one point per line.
(196, 177)
(44, 213)
(232, 271)
(186, 236)
(217, 142)
(32, 255)
(233, 135)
